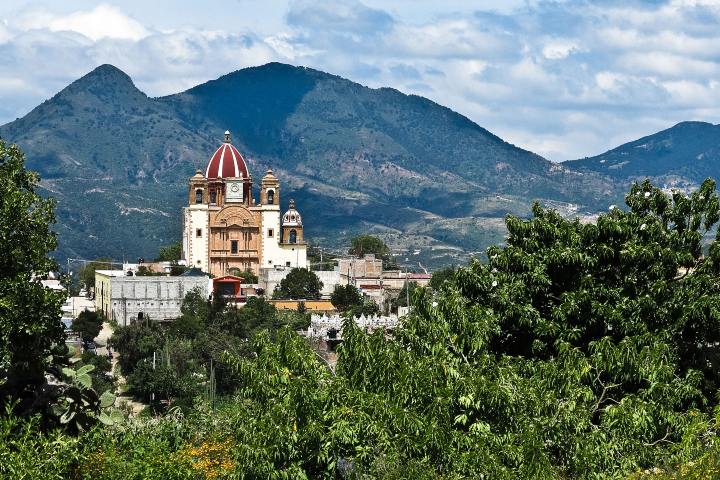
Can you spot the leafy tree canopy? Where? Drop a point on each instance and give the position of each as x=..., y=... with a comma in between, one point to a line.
x=439, y=277
x=170, y=253
x=299, y=284
x=86, y=274
x=370, y=244
x=33, y=354
x=29, y=314
x=87, y=325
x=345, y=297
x=248, y=276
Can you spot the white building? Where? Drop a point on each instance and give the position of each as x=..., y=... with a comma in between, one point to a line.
x=127, y=298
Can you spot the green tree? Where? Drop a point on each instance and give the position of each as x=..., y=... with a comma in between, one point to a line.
x=406, y=293
x=31, y=334
x=248, y=275
x=370, y=244
x=170, y=253
x=365, y=307
x=137, y=342
x=87, y=325
x=299, y=284
x=344, y=297
x=86, y=274
x=439, y=277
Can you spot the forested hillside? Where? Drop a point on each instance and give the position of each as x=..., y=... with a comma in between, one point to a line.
x=356, y=159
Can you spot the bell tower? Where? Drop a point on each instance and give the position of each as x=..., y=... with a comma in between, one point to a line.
x=195, y=223
x=292, y=227
x=270, y=190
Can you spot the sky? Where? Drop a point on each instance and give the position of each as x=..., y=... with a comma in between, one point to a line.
x=564, y=79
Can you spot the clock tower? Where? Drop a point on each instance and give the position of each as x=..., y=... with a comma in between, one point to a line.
x=226, y=232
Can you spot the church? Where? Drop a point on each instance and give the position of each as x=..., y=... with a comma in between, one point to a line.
x=225, y=230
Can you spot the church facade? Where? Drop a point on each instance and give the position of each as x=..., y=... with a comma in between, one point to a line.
x=225, y=230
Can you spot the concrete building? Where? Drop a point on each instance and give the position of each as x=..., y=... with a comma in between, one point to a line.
x=123, y=297
x=225, y=231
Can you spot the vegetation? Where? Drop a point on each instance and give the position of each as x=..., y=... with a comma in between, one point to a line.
x=171, y=365
x=370, y=244
x=299, y=284
x=35, y=378
x=86, y=275
x=345, y=297
x=248, y=275
x=31, y=334
x=577, y=351
x=170, y=253
x=87, y=325
x=441, y=276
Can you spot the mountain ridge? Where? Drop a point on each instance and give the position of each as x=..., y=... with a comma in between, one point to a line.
x=385, y=161
x=682, y=155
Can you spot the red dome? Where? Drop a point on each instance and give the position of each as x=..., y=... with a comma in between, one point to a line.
x=226, y=162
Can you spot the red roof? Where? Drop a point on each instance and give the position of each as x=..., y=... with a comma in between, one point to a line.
x=370, y=287
x=226, y=162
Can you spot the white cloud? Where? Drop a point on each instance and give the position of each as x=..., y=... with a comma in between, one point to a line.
x=104, y=21
x=565, y=79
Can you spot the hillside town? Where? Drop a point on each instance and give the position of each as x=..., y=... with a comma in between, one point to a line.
x=359, y=240
x=236, y=248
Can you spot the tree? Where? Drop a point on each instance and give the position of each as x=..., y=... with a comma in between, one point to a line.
x=439, y=277
x=170, y=253
x=257, y=314
x=366, y=307
x=87, y=273
x=345, y=297
x=137, y=342
x=87, y=325
x=248, y=275
x=299, y=284
x=406, y=293
x=370, y=244
x=144, y=271
x=31, y=333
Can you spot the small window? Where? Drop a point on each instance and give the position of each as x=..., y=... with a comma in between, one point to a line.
x=270, y=232
x=271, y=198
x=233, y=246
x=269, y=262
x=198, y=195
x=198, y=233
x=293, y=236
x=287, y=264
x=213, y=196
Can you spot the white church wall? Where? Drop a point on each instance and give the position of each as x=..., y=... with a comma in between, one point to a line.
x=197, y=253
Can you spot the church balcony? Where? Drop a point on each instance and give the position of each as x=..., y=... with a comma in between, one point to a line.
x=241, y=254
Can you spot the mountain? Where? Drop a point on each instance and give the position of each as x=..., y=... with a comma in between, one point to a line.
x=681, y=156
x=356, y=159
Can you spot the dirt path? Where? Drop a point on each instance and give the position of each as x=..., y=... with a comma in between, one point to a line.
x=123, y=400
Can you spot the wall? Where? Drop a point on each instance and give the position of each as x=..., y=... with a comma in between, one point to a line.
x=158, y=298
x=271, y=253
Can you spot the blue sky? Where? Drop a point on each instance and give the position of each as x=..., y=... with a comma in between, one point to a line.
x=565, y=79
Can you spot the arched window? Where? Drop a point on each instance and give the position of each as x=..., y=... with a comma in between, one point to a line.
x=271, y=197
x=293, y=236
x=213, y=196
x=198, y=195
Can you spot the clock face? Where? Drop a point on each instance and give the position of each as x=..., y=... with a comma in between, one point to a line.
x=235, y=191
